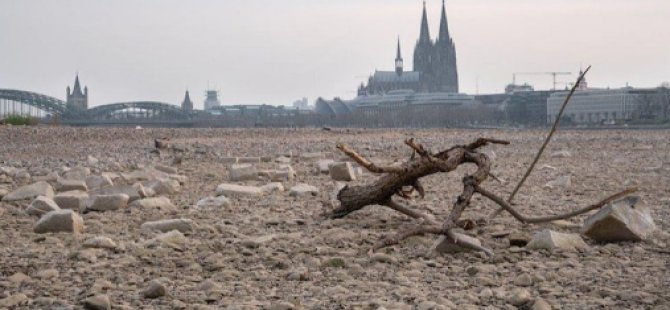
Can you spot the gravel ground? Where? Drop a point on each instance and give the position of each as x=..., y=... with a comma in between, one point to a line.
x=279, y=252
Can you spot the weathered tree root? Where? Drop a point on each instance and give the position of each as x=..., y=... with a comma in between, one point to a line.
x=408, y=174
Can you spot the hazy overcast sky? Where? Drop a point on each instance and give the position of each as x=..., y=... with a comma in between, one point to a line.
x=277, y=51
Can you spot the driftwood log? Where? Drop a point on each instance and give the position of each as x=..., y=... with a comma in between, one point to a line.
x=401, y=180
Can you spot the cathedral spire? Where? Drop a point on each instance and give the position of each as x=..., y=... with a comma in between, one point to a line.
x=444, y=27
x=424, y=37
x=77, y=86
x=398, y=60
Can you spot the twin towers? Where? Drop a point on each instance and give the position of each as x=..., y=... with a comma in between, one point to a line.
x=434, y=67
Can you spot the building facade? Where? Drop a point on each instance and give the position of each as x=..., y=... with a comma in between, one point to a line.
x=594, y=106
x=212, y=99
x=434, y=66
x=76, y=100
x=187, y=104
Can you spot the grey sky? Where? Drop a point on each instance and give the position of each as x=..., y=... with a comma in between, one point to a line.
x=271, y=51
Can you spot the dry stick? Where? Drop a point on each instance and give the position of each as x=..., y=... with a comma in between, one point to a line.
x=370, y=166
x=544, y=145
x=506, y=206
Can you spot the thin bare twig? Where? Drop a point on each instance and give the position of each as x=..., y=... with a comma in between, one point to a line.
x=534, y=220
x=546, y=142
x=370, y=166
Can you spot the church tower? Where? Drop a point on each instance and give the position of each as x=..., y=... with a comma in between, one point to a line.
x=187, y=104
x=423, y=51
x=77, y=100
x=446, y=73
x=398, y=60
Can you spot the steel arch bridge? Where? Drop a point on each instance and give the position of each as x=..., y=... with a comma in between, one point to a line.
x=43, y=102
x=137, y=110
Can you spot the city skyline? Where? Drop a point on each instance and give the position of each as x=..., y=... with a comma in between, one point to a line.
x=273, y=53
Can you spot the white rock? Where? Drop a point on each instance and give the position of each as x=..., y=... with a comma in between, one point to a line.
x=561, y=154
x=3, y=192
x=107, y=202
x=60, y=221
x=283, y=160
x=242, y=172
x=273, y=187
x=92, y=161
x=98, y=181
x=250, y=160
x=30, y=192
x=227, y=189
x=623, y=220
x=100, y=242
x=163, y=187
x=562, y=181
x=42, y=205
x=182, y=225
x=162, y=203
x=78, y=173
x=65, y=185
x=445, y=246
x=549, y=240
x=324, y=165
x=133, y=193
x=214, y=202
x=73, y=200
x=174, y=239
x=166, y=169
x=342, y=171
x=303, y=189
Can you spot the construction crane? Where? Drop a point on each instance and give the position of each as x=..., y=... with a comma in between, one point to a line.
x=553, y=74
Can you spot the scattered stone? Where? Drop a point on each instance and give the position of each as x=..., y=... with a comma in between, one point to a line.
x=97, y=302
x=238, y=190
x=523, y=280
x=519, y=296
x=383, y=258
x=60, y=221
x=214, y=202
x=273, y=187
x=518, y=239
x=98, y=181
x=78, y=173
x=541, y=304
x=18, y=278
x=163, y=186
x=173, y=239
x=13, y=300
x=561, y=154
x=228, y=160
x=622, y=220
x=324, y=165
x=3, y=192
x=100, y=242
x=311, y=156
x=154, y=289
x=444, y=246
x=42, y=205
x=335, y=262
x=299, y=274
x=64, y=185
x=283, y=160
x=242, y=172
x=48, y=274
x=549, y=240
x=182, y=225
x=562, y=181
x=248, y=160
x=30, y=192
x=342, y=171
x=162, y=203
x=107, y=202
x=73, y=200
x=166, y=169
x=303, y=189
x=133, y=193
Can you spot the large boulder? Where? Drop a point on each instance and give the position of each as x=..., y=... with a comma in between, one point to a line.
x=73, y=200
x=65, y=185
x=227, y=189
x=182, y=225
x=550, y=240
x=622, y=220
x=107, y=202
x=30, y=192
x=42, y=205
x=242, y=172
x=342, y=171
x=60, y=221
